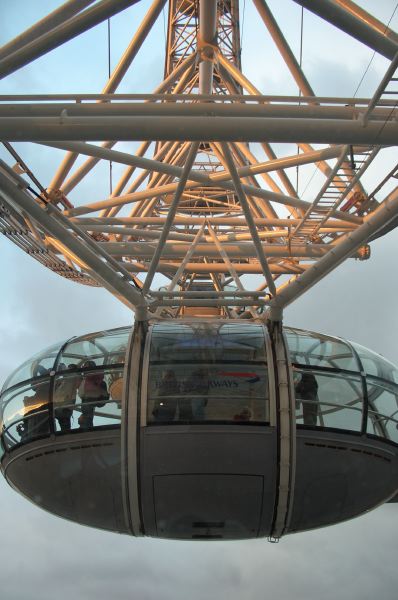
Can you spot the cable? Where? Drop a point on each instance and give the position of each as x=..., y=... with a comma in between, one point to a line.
x=164, y=27
x=109, y=76
x=374, y=53
x=43, y=192
x=300, y=62
x=356, y=91
x=243, y=23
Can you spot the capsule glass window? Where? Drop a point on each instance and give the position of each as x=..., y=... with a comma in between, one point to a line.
x=376, y=365
x=39, y=365
x=103, y=348
x=87, y=400
x=25, y=414
x=330, y=400
x=317, y=350
x=207, y=372
x=210, y=342
x=383, y=409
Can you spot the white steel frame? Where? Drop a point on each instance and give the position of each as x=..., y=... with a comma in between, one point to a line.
x=194, y=203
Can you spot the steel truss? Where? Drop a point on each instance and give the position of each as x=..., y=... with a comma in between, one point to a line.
x=196, y=202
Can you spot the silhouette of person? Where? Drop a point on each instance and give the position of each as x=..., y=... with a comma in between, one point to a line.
x=197, y=385
x=65, y=397
x=307, y=392
x=36, y=417
x=93, y=392
x=166, y=402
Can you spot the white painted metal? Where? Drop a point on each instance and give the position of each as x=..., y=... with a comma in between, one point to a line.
x=236, y=211
x=58, y=16
x=62, y=33
x=286, y=427
x=356, y=25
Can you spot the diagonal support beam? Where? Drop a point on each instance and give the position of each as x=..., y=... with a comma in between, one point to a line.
x=229, y=264
x=170, y=216
x=249, y=217
x=55, y=18
x=63, y=33
x=111, y=86
x=356, y=26
x=184, y=263
x=198, y=178
x=283, y=48
x=70, y=158
x=186, y=259
x=292, y=290
x=57, y=226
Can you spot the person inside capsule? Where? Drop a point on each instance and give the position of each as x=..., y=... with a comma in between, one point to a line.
x=197, y=387
x=166, y=402
x=93, y=393
x=306, y=390
x=65, y=397
x=35, y=420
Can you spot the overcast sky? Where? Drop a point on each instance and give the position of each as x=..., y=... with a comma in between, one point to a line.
x=43, y=557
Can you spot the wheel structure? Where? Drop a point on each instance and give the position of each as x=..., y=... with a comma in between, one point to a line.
x=205, y=215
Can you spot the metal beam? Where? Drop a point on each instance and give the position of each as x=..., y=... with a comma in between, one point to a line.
x=215, y=268
x=206, y=42
x=200, y=129
x=48, y=219
x=138, y=161
x=215, y=294
x=236, y=250
x=87, y=222
x=182, y=266
x=355, y=25
x=70, y=158
x=210, y=302
x=370, y=111
x=63, y=33
x=58, y=16
x=216, y=178
x=187, y=109
x=170, y=216
x=283, y=47
x=189, y=97
x=362, y=14
x=110, y=87
x=383, y=215
x=249, y=218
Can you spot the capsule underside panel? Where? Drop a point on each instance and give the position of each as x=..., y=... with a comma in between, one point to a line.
x=211, y=483
x=339, y=477
x=75, y=478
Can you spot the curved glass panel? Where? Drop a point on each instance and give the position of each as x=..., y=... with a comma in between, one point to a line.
x=25, y=413
x=87, y=400
x=208, y=342
x=328, y=400
x=317, y=350
x=383, y=409
x=102, y=348
x=376, y=365
x=39, y=365
x=207, y=372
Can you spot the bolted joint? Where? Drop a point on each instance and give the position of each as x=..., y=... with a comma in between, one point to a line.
x=141, y=313
x=275, y=313
x=206, y=50
x=363, y=253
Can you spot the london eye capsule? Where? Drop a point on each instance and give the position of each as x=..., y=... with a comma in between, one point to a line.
x=203, y=429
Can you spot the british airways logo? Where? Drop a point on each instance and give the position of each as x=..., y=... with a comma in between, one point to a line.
x=249, y=377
